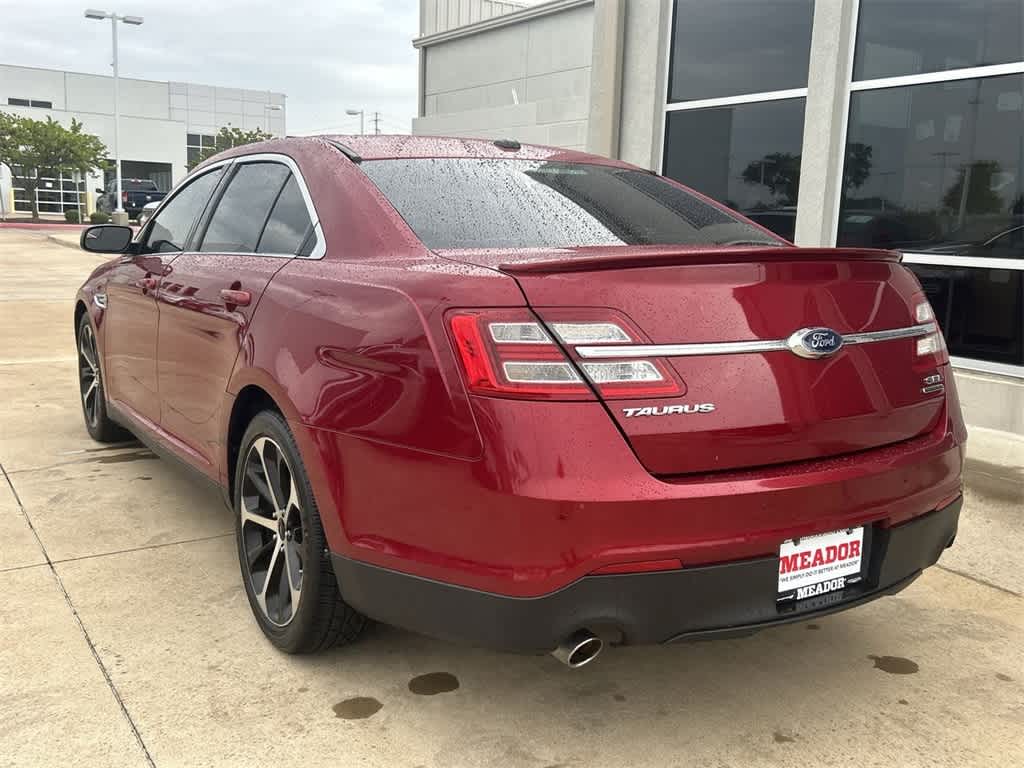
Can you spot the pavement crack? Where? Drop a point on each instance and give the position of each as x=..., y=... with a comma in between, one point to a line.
x=144, y=548
x=978, y=580
x=81, y=626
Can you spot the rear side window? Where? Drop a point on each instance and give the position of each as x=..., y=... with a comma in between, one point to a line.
x=171, y=227
x=243, y=209
x=289, y=223
x=484, y=203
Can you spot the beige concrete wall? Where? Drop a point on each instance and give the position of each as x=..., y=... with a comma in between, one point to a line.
x=529, y=81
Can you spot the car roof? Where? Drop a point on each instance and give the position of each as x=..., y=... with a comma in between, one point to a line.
x=385, y=147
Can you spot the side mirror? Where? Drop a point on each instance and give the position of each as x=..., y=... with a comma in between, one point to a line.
x=100, y=192
x=106, y=238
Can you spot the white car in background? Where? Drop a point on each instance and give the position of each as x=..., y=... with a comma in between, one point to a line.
x=147, y=210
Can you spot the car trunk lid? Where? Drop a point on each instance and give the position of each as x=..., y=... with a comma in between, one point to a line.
x=755, y=403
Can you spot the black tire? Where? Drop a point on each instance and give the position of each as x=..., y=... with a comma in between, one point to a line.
x=288, y=531
x=90, y=387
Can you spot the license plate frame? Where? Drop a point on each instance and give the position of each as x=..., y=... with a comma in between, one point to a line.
x=821, y=564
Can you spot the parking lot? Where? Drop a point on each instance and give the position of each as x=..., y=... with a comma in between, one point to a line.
x=126, y=638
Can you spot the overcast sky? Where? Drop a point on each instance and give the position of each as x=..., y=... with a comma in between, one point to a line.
x=326, y=55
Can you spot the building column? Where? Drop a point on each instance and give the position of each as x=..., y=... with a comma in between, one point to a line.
x=606, y=78
x=824, y=144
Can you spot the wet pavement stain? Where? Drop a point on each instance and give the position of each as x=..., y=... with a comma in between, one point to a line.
x=895, y=665
x=1004, y=678
x=619, y=697
x=140, y=455
x=813, y=626
x=358, y=708
x=144, y=477
x=780, y=738
x=904, y=702
x=433, y=683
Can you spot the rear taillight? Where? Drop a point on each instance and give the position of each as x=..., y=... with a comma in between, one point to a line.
x=124, y=197
x=933, y=345
x=510, y=353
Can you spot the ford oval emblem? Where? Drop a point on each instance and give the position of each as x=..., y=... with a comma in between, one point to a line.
x=814, y=342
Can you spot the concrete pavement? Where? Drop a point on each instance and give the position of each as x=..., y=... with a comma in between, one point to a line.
x=126, y=640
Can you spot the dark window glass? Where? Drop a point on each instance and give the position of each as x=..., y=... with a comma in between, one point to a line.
x=237, y=222
x=937, y=168
x=463, y=203
x=192, y=156
x=981, y=311
x=730, y=47
x=171, y=226
x=19, y=102
x=209, y=141
x=289, y=222
x=42, y=104
x=747, y=157
x=905, y=37
x=192, y=139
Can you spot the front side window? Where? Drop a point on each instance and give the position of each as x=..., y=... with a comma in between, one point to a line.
x=171, y=226
x=242, y=211
x=471, y=203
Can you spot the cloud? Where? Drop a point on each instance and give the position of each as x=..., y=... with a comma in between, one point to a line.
x=325, y=55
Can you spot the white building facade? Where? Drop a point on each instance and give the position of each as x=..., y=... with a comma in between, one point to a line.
x=884, y=123
x=164, y=125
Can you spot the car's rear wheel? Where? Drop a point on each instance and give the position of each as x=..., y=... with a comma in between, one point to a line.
x=282, y=550
x=90, y=383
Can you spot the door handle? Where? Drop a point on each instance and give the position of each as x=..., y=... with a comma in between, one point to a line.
x=147, y=283
x=237, y=298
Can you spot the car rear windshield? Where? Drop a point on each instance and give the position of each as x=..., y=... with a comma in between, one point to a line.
x=138, y=185
x=485, y=203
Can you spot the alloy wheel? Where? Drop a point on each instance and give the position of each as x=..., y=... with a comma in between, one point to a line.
x=272, y=532
x=89, y=375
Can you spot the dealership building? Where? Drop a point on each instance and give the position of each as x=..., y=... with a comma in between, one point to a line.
x=885, y=123
x=164, y=126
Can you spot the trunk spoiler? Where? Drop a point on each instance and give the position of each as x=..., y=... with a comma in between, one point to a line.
x=622, y=258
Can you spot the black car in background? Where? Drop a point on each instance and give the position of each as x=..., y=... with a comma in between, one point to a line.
x=135, y=195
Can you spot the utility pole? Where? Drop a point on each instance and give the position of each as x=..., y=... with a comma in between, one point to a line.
x=376, y=123
x=120, y=217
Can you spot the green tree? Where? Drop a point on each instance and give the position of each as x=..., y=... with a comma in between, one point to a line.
x=779, y=171
x=972, y=192
x=231, y=137
x=33, y=148
x=858, y=165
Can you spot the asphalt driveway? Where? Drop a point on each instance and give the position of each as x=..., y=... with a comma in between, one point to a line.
x=126, y=639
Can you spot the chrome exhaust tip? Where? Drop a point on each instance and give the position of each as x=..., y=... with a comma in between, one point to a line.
x=581, y=647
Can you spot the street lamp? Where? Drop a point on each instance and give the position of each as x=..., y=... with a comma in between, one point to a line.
x=361, y=114
x=92, y=13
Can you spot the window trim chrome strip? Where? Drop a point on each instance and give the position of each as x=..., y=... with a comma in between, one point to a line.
x=609, y=351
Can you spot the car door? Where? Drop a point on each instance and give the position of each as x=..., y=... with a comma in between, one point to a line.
x=258, y=224
x=131, y=320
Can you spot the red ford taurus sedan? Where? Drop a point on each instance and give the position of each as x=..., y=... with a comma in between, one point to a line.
x=522, y=397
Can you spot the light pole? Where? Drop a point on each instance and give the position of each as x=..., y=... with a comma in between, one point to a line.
x=362, y=116
x=120, y=217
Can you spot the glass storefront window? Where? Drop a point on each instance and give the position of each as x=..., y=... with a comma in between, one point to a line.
x=733, y=47
x=745, y=156
x=909, y=37
x=937, y=170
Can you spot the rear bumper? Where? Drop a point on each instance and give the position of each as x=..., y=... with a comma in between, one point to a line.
x=690, y=603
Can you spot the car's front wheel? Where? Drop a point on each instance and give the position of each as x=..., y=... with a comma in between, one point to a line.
x=90, y=383
x=286, y=569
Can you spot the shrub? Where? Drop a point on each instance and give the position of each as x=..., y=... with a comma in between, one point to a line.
x=71, y=216
x=99, y=217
